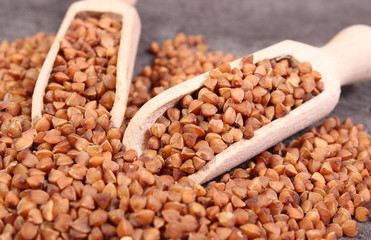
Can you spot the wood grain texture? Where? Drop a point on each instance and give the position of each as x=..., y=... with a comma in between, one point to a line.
x=240, y=27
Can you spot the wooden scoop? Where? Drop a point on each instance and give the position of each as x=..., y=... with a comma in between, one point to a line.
x=344, y=60
x=130, y=33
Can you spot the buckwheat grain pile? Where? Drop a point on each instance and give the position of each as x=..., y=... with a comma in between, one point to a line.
x=68, y=176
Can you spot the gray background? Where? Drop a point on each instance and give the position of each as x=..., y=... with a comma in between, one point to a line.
x=236, y=26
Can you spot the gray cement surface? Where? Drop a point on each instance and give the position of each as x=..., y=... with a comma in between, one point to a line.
x=236, y=26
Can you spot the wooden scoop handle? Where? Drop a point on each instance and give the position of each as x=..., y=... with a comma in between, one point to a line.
x=351, y=49
x=130, y=2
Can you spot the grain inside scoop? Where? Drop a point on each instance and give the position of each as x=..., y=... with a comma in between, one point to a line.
x=124, y=54
x=343, y=60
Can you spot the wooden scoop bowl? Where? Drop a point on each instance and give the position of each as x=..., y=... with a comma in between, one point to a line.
x=126, y=55
x=344, y=60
